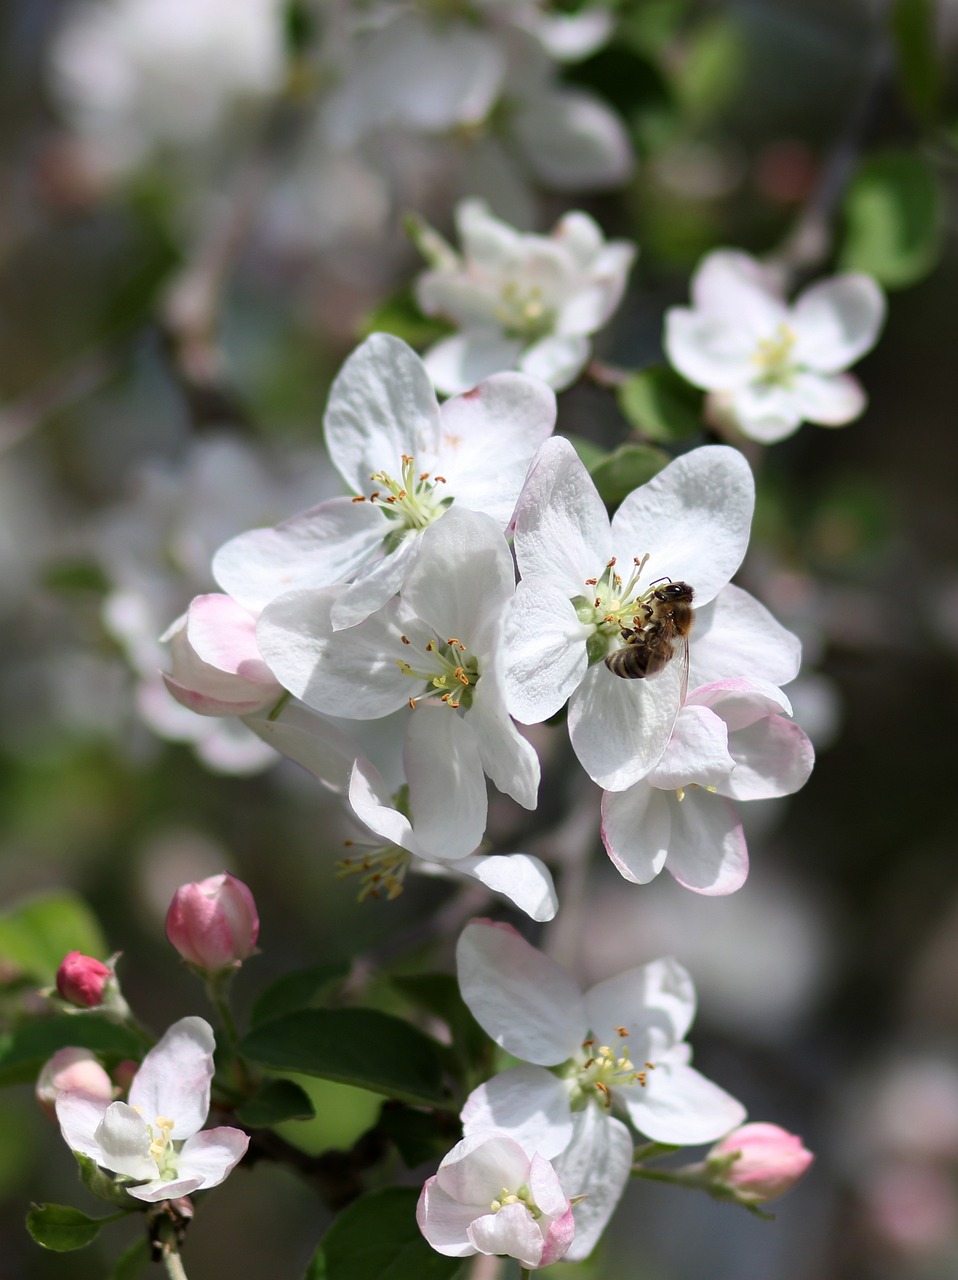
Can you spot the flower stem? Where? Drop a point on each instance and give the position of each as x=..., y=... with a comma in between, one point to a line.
x=217, y=989
x=173, y=1265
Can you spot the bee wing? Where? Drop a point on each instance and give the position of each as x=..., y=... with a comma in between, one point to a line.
x=683, y=657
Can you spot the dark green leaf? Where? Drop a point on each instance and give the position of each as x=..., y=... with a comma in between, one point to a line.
x=361, y=1047
x=102, y=1184
x=24, y=1050
x=661, y=405
x=913, y=25
x=621, y=472
x=36, y=935
x=438, y=993
x=377, y=1238
x=61, y=1227
x=274, y=1102
x=400, y=315
x=418, y=1136
x=296, y=991
x=893, y=220
x=132, y=1261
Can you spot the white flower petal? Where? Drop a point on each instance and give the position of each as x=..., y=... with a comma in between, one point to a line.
x=765, y=412
x=545, y=650
x=310, y=741
x=829, y=400
x=654, y=1002
x=698, y=752
x=375, y=585
x=444, y=1221
x=707, y=851
x=735, y=286
x=572, y=141
x=511, y=1231
x=458, y=362
x=836, y=321
x=123, y=1140
x=524, y=880
x=479, y=1166
x=80, y=1115
x=735, y=637
x=528, y=1103
x=557, y=359
x=637, y=830
x=595, y=1164
x=212, y=1155
x=619, y=728
x=522, y=999
x=509, y=760
x=174, y=1077
x=369, y=802
x=447, y=788
x=680, y=1106
x=710, y=351
x=773, y=757
x=561, y=525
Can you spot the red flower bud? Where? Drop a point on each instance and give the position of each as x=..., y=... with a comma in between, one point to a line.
x=82, y=981
x=213, y=923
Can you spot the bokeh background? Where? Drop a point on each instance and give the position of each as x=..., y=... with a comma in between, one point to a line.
x=171, y=314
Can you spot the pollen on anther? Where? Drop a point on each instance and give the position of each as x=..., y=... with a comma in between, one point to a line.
x=412, y=704
x=440, y=479
x=405, y=639
x=590, y=582
x=621, y=1030
x=361, y=498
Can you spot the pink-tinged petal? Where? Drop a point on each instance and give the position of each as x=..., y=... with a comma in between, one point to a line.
x=444, y=1221
x=545, y=649
x=557, y=359
x=124, y=1139
x=164, y=1189
x=447, y=788
x=572, y=141
x=521, y=998
x=836, y=321
x=562, y=529
x=309, y=741
x=735, y=286
x=206, y=704
x=462, y=578
x=511, y=1231
x=375, y=586
x=382, y=405
x=223, y=634
x=595, y=1164
x=174, y=1078
x=830, y=400
x=212, y=1155
x=740, y=703
x=680, y=1106
x=317, y=548
x=773, y=757
x=735, y=637
x=693, y=519
x=477, y=1168
x=351, y=673
x=698, y=752
x=655, y=1003
x=370, y=803
x=709, y=351
x=80, y=1115
x=637, y=831
x=619, y=728
x=489, y=436
x=528, y=1103
x=457, y=363
x=546, y=1188
x=707, y=852
x=524, y=880
x=508, y=759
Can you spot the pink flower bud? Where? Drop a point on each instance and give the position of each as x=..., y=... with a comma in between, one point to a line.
x=71, y=1068
x=213, y=923
x=769, y=1160
x=82, y=981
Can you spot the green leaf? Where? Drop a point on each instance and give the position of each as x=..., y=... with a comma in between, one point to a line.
x=24, y=1050
x=418, y=1136
x=274, y=1102
x=131, y=1261
x=362, y=1047
x=661, y=405
x=400, y=315
x=102, y=1184
x=913, y=26
x=893, y=219
x=36, y=935
x=590, y=453
x=61, y=1227
x=296, y=991
x=631, y=465
x=377, y=1238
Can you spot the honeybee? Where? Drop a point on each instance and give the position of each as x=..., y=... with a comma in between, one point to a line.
x=650, y=642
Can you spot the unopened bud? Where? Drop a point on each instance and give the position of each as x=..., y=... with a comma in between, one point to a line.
x=213, y=923
x=82, y=980
x=71, y=1068
x=761, y=1161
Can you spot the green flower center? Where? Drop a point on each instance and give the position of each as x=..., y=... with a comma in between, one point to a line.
x=522, y=1196
x=599, y=1069
x=614, y=603
x=412, y=502
x=447, y=666
x=522, y=312
x=774, y=357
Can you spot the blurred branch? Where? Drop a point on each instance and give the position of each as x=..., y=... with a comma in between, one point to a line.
x=78, y=380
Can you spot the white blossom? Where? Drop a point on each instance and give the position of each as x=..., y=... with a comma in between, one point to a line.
x=521, y=301
x=773, y=365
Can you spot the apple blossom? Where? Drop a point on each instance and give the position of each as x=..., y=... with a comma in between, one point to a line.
x=71, y=1068
x=213, y=923
x=690, y=523
x=489, y=1196
x=83, y=980
x=621, y=1043
x=154, y=1142
x=441, y=639
x=759, y=1161
x=521, y=301
x=731, y=741
x=773, y=366
x=407, y=460
x=442, y=825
